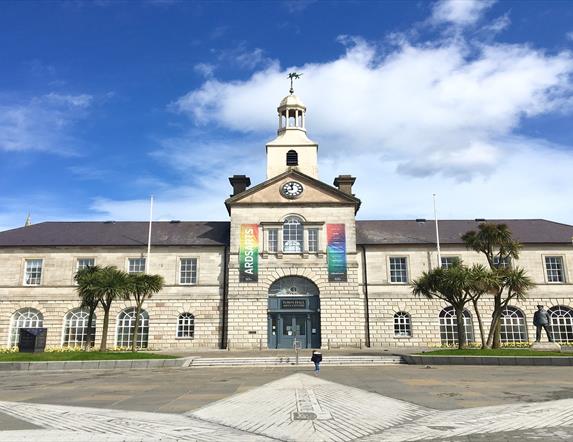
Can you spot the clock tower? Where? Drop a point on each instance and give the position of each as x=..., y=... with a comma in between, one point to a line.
x=292, y=149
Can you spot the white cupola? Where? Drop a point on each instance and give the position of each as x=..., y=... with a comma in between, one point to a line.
x=292, y=149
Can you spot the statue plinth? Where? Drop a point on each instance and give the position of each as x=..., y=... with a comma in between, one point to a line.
x=545, y=346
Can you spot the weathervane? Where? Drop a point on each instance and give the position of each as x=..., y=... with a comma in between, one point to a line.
x=293, y=76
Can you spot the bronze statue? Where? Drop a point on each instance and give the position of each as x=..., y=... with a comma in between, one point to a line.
x=541, y=319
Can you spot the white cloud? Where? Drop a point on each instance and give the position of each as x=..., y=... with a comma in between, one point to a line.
x=42, y=123
x=569, y=35
x=460, y=12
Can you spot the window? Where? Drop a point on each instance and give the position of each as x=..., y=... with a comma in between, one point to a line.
x=33, y=272
x=24, y=318
x=313, y=240
x=85, y=262
x=273, y=240
x=398, y=270
x=186, y=326
x=188, y=271
x=293, y=285
x=561, y=324
x=136, y=265
x=502, y=263
x=513, y=327
x=292, y=235
x=402, y=324
x=554, y=267
x=292, y=158
x=76, y=328
x=126, y=327
x=449, y=261
x=449, y=326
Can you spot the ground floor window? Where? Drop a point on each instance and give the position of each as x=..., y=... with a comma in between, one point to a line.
x=513, y=327
x=402, y=324
x=76, y=328
x=24, y=318
x=449, y=326
x=561, y=323
x=186, y=326
x=126, y=327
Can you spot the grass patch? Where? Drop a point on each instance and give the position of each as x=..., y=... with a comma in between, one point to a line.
x=80, y=356
x=492, y=352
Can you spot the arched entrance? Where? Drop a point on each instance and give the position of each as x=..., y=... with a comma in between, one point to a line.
x=294, y=313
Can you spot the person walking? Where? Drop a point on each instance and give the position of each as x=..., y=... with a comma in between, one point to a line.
x=317, y=359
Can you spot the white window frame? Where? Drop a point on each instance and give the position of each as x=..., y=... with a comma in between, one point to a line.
x=454, y=257
x=563, y=269
x=268, y=231
x=143, y=323
x=402, y=324
x=302, y=236
x=179, y=274
x=389, y=264
x=317, y=230
x=84, y=332
x=37, y=321
x=79, y=258
x=185, y=338
x=127, y=266
x=41, y=279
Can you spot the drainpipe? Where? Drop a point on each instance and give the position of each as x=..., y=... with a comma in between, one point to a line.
x=366, y=302
x=225, y=297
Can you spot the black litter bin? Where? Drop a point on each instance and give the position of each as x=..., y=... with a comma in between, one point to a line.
x=32, y=340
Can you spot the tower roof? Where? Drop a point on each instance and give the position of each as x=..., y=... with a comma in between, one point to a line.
x=291, y=100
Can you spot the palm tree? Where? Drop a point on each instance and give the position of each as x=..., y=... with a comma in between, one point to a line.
x=482, y=281
x=86, y=279
x=451, y=285
x=111, y=284
x=142, y=287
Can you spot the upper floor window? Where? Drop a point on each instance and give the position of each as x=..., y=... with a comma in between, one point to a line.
x=292, y=235
x=85, y=262
x=273, y=240
x=398, y=269
x=136, y=265
x=313, y=240
x=33, y=272
x=188, y=271
x=449, y=261
x=502, y=263
x=554, y=268
x=292, y=158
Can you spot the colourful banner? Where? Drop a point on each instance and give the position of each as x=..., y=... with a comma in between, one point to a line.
x=336, y=252
x=249, y=253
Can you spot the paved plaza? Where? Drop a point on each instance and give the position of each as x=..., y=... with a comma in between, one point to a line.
x=395, y=403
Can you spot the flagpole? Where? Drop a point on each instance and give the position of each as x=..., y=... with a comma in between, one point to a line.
x=437, y=232
x=148, y=260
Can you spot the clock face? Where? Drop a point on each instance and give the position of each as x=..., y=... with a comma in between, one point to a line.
x=292, y=189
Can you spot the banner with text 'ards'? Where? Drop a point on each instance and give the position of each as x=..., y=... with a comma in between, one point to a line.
x=249, y=253
x=336, y=252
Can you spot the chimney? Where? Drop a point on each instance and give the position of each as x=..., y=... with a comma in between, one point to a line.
x=239, y=183
x=344, y=183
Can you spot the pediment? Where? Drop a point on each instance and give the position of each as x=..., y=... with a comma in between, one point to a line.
x=315, y=192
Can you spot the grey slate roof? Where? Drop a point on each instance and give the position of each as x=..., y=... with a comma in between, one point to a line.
x=526, y=231
x=121, y=233
x=216, y=233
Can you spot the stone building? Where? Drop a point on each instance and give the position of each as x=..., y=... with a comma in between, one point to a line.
x=292, y=264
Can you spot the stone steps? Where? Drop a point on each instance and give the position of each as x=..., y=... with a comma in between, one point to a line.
x=291, y=360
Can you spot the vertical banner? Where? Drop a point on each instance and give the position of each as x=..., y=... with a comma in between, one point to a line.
x=336, y=252
x=249, y=253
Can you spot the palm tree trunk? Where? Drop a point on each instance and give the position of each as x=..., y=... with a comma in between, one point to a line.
x=494, y=320
x=89, y=340
x=136, y=329
x=103, y=345
x=461, y=328
x=480, y=323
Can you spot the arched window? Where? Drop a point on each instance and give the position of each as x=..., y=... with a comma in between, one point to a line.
x=76, y=328
x=513, y=328
x=126, y=326
x=292, y=235
x=449, y=326
x=292, y=158
x=293, y=285
x=24, y=318
x=561, y=323
x=186, y=326
x=402, y=324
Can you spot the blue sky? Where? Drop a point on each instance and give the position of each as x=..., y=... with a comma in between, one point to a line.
x=103, y=103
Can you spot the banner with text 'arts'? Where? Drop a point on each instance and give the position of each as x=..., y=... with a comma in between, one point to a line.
x=249, y=253
x=336, y=252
